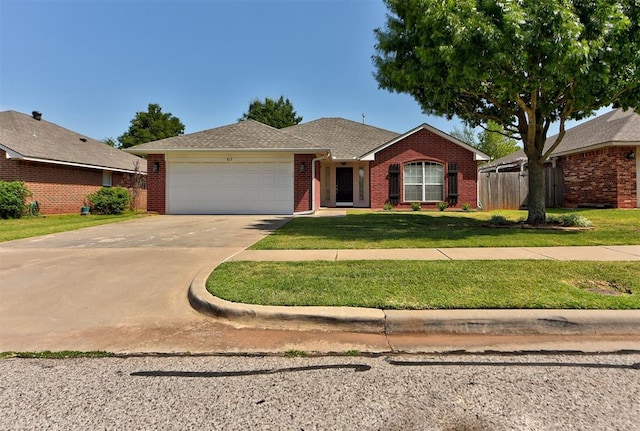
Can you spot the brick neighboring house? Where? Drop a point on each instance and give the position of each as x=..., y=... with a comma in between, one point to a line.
x=60, y=167
x=251, y=168
x=597, y=164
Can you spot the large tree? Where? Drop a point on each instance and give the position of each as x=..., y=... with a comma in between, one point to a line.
x=276, y=113
x=151, y=126
x=524, y=64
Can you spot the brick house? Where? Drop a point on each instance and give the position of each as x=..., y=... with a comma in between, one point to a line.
x=596, y=165
x=60, y=167
x=251, y=168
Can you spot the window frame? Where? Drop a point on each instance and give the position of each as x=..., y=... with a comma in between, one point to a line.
x=423, y=184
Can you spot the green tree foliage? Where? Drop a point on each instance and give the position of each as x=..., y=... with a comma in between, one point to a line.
x=493, y=140
x=111, y=142
x=13, y=195
x=275, y=113
x=151, y=126
x=523, y=64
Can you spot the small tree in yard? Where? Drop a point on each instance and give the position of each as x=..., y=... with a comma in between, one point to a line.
x=134, y=183
x=523, y=64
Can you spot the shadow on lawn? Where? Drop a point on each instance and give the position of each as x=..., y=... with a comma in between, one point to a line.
x=379, y=227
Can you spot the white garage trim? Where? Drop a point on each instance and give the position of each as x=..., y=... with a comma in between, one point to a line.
x=234, y=183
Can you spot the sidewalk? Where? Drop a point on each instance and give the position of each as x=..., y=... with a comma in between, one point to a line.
x=426, y=322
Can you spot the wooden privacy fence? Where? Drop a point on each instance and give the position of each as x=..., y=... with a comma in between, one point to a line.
x=509, y=188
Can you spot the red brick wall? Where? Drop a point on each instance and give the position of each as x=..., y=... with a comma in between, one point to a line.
x=156, y=184
x=59, y=189
x=603, y=176
x=424, y=146
x=302, y=182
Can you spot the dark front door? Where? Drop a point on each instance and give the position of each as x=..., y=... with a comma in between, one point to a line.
x=344, y=185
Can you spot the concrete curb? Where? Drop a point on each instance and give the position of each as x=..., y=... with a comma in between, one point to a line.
x=396, y=322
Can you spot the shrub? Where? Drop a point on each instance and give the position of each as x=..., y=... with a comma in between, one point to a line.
x=498, y=220
x=110, y=200
x=387, y=206
x=466, y=207
x=442, y=205
x=416, y=206
x=569, y=220
x=13, y=195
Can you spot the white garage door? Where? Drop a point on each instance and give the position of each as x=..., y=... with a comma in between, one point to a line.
x=230, y=188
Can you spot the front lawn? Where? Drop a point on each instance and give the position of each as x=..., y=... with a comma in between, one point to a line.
x=28, y=227
x=369, y=229
x=431, y=284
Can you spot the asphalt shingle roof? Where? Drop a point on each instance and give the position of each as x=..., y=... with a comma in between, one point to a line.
x=347, y=139
x=244, y=135
x=614, y=127
x=40, y=139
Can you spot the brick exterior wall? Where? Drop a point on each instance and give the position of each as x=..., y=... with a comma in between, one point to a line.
x=157, y=183
x=603, y=176
x=424, y=145
x=59, y=189
x=302, y=183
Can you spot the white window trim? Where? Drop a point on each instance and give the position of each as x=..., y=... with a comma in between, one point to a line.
x=421, y=184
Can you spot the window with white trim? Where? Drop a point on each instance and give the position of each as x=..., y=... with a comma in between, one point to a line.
x=106, y=178
x=423, y=182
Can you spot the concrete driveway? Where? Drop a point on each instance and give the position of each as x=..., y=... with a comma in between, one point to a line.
x=118, y=287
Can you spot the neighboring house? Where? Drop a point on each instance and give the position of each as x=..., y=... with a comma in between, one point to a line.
x=60, y=167
x=251, y=168
x=596, y=165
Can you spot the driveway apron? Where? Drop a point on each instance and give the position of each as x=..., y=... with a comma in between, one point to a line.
x=114, y=286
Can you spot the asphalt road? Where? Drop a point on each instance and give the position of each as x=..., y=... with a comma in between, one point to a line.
x=404, y=392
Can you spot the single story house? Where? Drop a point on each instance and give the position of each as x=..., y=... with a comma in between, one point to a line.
x=60, y=167
x=597, y=164
x=251, y=168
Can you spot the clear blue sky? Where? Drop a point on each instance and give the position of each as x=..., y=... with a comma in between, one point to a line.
x=91, y=65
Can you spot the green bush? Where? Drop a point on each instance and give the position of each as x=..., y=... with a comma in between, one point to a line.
x=442, y=206
x=13, y=195
x=387, y=206
x=466, y=207
x=569, y=220
x=498, y=220
x=110, y=200
x=416, y=206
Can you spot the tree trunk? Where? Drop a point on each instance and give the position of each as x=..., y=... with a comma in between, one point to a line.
x=536, y=200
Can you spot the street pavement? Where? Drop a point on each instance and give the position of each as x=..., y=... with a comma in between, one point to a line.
x=123, y=288
x=453, y=392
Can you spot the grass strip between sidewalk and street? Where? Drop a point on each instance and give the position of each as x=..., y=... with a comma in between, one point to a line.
x=366, y=229
x=423, y=285
x=28, y=227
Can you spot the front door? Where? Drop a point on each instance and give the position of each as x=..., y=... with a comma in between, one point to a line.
x=344, y=186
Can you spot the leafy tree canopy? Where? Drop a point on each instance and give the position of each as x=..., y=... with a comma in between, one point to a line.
x=110, y=142
x=493, y=140
x=151, y=126
x=276, y=113
x=523, y=64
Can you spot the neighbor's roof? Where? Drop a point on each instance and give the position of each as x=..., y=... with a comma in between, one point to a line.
x=616, y=127
x=347, y=139
x=24, y=137
x=248, y=135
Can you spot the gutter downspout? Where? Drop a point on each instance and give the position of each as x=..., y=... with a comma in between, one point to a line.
x=313, y=189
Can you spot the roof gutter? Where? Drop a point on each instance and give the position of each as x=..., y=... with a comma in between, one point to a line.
x=145, y=151
x=76, y=165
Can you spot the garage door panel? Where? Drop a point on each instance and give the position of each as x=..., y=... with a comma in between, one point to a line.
x=230, y=188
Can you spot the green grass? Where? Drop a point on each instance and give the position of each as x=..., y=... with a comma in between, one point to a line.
x=429, y=284
x=28, y=227
x=64, y=354
x=368, y=229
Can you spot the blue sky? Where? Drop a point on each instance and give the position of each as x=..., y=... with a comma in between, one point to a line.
x=90, y=65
